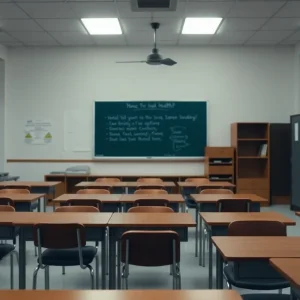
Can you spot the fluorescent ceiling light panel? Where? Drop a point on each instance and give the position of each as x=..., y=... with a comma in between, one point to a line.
x=102, y=26
x=201, y=25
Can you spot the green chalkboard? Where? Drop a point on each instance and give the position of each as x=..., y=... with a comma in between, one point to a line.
x=145, y=129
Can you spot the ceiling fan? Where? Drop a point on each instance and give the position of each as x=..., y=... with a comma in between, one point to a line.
x=154, y=58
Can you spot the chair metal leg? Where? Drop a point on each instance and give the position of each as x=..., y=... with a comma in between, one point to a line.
x=63, y=271
x=17, y=256
x=174, y=277
x=35, y=277
x=178, y=275
x=35, y=252
x=47, y=282
x=11, y=271
x=203, y=247
x=92, y=276
x=97, y=272
x=107, y=250
x=229, y=286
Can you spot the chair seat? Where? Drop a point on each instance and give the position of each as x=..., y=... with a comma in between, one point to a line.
x=190, y=203
x=265, y=297
x=254, y=283
x=68, y=257
x=5, y=249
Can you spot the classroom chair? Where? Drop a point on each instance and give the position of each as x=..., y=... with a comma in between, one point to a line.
x=150, y=249
x=150, y=191
x=90, y=202
x=151, y=202
x=8, y=232
x=82, y=208
x=93, y=191
x=150, y=180
x=15, y=191
x=233, y=205
x=255, y=275
x=65, y=246
x=203, y=234
x=4, y=201
x=108, y=179
x=18, y=187
x=150, y=209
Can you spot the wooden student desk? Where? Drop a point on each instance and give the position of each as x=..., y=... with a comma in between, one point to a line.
x=121, y=222
x=23, y=201
x=217, y=225
x=208, y=203
x=128, y=187
x=38, y=187
x=111, y=201
x=247, y=248
x=95, y=224
x=175, y=200
x=120, y=295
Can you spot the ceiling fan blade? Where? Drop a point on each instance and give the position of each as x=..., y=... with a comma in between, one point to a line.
x=168, y=62
x=131, y=62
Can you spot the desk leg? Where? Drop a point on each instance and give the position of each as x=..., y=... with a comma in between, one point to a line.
x=22, y=259
x=103, y=263
x=210, y=262
x=118, y=265
x=219, y=271
x=201, y=237
x=39, y=205
x=112, y=258
x=197, y=231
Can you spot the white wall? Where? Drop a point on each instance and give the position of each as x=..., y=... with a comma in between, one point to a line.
x=297, y=79
x=2, y=114
x=239, y=83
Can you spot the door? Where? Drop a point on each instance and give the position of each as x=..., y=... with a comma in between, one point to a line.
x=295, y=162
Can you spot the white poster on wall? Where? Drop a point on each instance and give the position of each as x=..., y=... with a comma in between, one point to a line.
x=38, y=132
x=296, y=131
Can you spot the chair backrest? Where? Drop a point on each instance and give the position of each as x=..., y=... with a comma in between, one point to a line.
x=150, y=180
x=150, y=209
x=7, y=208
x=14, y=191
x=90, y=202
x=151, y=202
x=93, y=191
x=150, y=248
x=200, y=180
x=257, y=228
x=108, y=179
x=234, y=205
x=18, y=187
x=150, y=191
x=4, y=201
x=59, y=236
x=77, y=209
x=216, y=191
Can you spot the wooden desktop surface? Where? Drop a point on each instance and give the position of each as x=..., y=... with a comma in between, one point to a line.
x=233, y=248
x=22, y=197
x=298, y=213
x=208, y=198
x=124, y=184
x=31, y=218
x=174, y=198
x=224, y=218
x=120, y=295
x=208, y=184
x=288, y=268
x=30, y=183
x=152, y=219
x=102, y=197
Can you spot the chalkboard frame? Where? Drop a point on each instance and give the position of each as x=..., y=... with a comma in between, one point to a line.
x=146, y=158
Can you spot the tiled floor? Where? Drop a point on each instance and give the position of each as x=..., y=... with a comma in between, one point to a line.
x=193, y=276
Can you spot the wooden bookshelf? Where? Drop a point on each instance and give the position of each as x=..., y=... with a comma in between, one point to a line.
x=219, y=163
x=252, y=167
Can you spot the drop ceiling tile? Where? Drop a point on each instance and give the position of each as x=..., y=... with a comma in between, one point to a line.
x=94, y=9
x=295, y=36
x=231, y=37
x=61, y=25
x=19, y=25
x=4, y=37
x=288, y=42
x=290, y=10
x=282, y=24
x=194, y=39
x=207, y=9
x=110, y=40
x=166, y=24
x=124, y=9
x=11, y=11
x=73, y=38
x=54, y=10
x=255, y=9
x=32, y=37
x=270, y=35
x=236, y=24
x=265, y=42
x=146, y=38
x=43, y=43
x=37, y=1
x=12, y=44
x=179, y=12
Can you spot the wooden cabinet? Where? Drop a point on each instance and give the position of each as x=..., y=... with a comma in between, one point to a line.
x=252, y=162
x=219, y=163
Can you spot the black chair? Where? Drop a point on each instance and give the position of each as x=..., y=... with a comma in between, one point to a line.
x=255, y=274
